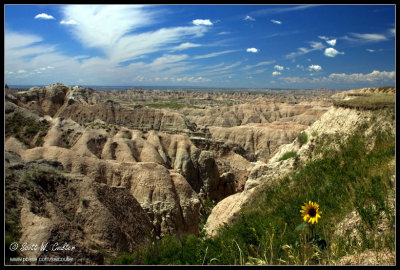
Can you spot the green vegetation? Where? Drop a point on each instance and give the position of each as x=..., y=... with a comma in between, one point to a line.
x=170, y=105
x=302, y=137
x=288, y=155
x=271, y=230
x=369, y=101
x=25, y=129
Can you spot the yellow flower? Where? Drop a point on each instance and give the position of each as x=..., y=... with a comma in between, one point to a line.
x=311, y=212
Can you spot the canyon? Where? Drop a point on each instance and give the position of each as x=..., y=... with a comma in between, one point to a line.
x=110, y=171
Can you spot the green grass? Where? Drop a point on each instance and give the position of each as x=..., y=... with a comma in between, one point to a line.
x=271, y=230
x=369, y=101
x=288, y=155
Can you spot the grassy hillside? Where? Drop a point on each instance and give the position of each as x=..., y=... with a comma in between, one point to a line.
x=368, y=101
x=352, y=185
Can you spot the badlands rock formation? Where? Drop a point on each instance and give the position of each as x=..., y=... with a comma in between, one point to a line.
x=82, y=105
x=116, y=173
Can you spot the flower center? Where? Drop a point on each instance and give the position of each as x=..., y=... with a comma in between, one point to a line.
x=312, y=212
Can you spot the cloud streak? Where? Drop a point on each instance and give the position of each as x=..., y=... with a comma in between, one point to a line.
x=214, y=54
x=249, y=18
x=300, y=51
x=276, y=22
x=264, y=63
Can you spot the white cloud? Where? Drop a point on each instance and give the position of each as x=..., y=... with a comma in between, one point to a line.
x=248, y=18
x=370, y=50
x=276, y=22
x=300, y=51
x=278, y=67
x=331, y=52
x=331, y=42
x=202, y=22
x=103, y=26
x=213, y=54
x=68, y=22
x=275, y=73
x=314, y=67
x=185, y=46
x=252, y=50
x=44, y=16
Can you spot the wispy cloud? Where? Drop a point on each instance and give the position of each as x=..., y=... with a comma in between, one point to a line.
x=370, y=50
x=360, y=39
x=184, y=46
x=264, y=63
x=331, y=52
x=68, y=22
x=370, y=37
x=44, y=16
x=282, y=34
x=300, y=51
x=112, y=28
x=214, y=54
x=202, y=22
x=278, y=10
x=276, y=22
x=252, y=50
x=249, y=18
x=216, y=70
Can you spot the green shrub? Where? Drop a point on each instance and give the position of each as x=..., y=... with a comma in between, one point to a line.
x=302, y=137
x=288, y=155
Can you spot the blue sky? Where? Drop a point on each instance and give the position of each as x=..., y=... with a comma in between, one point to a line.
x=254, y=46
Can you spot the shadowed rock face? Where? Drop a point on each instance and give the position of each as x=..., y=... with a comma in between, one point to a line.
x=64, y=208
